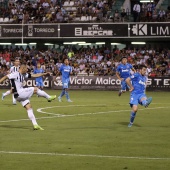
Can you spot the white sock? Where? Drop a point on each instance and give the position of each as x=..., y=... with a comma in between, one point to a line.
x=42, y=94
x=14, y=100
x=7, y=93
x=31, y=116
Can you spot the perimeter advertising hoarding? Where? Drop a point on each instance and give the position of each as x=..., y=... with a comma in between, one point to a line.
x=94, y=30
x=11, y=31
x=150, y=30
x=28, y=83
x=94, y=83
x=109, y=83
x=44, y=30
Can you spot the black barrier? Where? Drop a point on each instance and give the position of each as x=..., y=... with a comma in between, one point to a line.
x=94, y=30
x=86, y=30
x=94, y=83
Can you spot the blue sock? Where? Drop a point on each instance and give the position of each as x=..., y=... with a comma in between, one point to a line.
x=144, y=102
x=62, y=93
x=67, y=95
x=132, y=117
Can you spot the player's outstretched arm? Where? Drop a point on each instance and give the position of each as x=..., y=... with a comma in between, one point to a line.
x=40, y=74
x=128, y=81
x=3, y=78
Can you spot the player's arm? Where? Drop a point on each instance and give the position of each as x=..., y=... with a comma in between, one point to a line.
x=133, y=69
x=3, y=78
x=118, y=76
x=128, y=81
x=39, y=74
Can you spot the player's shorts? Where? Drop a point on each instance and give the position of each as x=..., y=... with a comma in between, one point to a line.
x=24, y=95
x=39, y=83
x=135, y=99
x=65, y=84
x=124, y=86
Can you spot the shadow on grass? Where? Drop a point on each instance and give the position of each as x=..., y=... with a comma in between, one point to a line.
x=15, y=127
x=126, y=124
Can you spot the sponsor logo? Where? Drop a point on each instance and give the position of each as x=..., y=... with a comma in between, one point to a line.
x=139, y=29
x=12, y=30
x=30, y=30
x=94, y=30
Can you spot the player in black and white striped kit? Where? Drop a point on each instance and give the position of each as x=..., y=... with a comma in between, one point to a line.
x=13, y=69
x=23, y=95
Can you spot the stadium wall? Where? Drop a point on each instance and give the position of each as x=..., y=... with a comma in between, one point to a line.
x=94, y=83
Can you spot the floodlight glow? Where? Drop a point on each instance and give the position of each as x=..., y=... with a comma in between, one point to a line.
x=20, y=44
x=115, y=43
x=100, y=42
x=138, y=42
x=85, y=44
x=32, y=43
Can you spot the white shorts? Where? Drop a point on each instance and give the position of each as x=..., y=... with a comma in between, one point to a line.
x=24, y=95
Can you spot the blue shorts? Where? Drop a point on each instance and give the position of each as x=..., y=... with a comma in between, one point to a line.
x=65, y=84
x=124, y=86
x=39, y=83
x=135, y=99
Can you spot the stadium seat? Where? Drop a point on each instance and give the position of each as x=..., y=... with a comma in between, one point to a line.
x=66, y=3
x=71, y=3
x=1, y=20
x=83, y=18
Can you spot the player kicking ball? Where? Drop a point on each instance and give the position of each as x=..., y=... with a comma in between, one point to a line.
x=22, y=94
x=137, y=85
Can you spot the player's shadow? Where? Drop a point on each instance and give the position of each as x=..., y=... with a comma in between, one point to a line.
x=15, y=127
x=126, y=124
x=9, y=105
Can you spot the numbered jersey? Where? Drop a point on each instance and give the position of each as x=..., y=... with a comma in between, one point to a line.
x=14, y=69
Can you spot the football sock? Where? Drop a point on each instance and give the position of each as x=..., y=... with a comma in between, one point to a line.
x=144, y=102
x=7, y=93
x=42, y=94
x=62, y=93
x=132, y=117
x=67, y=95
x=31, y=116
x=14, y=100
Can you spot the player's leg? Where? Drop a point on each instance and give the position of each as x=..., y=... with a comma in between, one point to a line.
x=14, y=100
x=6, y=94
x=42, y=93
x=31, y=116
x=61, y=95
x=67, y=95
x=144, y=101
x=123, y=88
x=134, y=106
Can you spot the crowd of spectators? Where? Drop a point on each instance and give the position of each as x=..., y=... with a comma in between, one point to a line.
x=58, y=11
x=98, y=61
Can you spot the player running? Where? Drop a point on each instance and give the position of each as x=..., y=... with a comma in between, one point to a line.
x=123, y=72
x=22, y=94
x=13, y=69
x=137, y=85
x=65, y=70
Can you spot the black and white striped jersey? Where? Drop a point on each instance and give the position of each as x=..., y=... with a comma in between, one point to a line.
x=17, y=80
x=14, y=69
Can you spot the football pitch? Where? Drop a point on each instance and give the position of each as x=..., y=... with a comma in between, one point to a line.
x=89, y=134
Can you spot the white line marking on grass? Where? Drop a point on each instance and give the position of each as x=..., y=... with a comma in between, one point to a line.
x=83, y=155
x=80, y=114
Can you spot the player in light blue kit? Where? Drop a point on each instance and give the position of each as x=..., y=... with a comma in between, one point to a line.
x=65, y=70
x=137, y=85
x=39, y=80
x=123, y=72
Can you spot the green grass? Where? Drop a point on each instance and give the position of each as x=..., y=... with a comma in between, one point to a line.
x=93, y=134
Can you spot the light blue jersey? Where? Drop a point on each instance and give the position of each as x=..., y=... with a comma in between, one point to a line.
x=39, y=80
x=139, y=84
x=65, y=71
x=124, y=70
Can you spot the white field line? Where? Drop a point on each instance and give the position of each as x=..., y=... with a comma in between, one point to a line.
x=80, y=114
x=83, y=155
